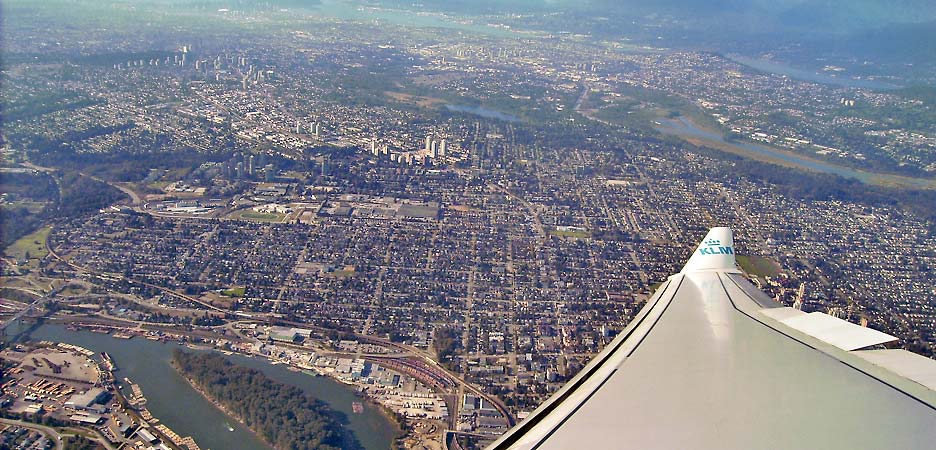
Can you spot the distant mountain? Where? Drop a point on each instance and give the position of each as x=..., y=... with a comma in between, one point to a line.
x=788, y=12
x=854, y=15
x=240, y=5
x=897, y=31
x=839, y=16
x=478, y=6
x=895, y=42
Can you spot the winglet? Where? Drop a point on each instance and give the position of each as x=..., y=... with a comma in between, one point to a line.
x=716, y=252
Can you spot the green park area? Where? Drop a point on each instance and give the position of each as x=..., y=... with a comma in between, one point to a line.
x=345, y=272
x=234, y=292
x=758, y=266
x=578, y=234
x=31, y=247
x=256, y=216
x=641, y=108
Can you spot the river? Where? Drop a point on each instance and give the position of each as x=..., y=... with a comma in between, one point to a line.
x=176, y=404
x=687, y=129
x=807, y=75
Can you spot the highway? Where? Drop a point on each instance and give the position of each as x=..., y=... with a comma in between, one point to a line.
x=19, y=315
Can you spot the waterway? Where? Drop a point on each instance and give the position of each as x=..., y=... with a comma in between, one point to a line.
x=807, y=75
x=181, y=408
x=483, y=112
x=687, y=129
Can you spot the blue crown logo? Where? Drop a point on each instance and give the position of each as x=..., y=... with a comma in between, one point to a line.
x=712, y=242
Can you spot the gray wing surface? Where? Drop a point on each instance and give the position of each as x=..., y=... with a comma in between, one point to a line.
x=711, y=362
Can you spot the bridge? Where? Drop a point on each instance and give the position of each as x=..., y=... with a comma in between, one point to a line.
x=19, y=315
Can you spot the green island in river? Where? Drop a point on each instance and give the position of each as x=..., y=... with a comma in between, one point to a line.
x=281, y=415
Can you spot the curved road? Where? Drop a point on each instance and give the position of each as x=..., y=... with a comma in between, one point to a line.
x=427, y=359
x=48, y=431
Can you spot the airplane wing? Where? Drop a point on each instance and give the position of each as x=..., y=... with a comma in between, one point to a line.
x=712, y=362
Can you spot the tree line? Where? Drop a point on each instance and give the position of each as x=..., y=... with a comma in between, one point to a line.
x=283, y=415
x=77, y=195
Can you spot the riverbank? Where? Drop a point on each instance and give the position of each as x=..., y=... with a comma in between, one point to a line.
x=813, y=76
x=363, y=394
x=220, y=407
x=699, y=135
x=281, y=414
x=171, y=399
x=383, y=410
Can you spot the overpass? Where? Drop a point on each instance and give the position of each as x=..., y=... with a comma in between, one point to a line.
x=19, y=315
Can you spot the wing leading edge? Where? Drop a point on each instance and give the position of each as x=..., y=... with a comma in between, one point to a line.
x=711, y=362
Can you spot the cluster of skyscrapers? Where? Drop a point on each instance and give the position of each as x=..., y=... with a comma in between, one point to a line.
x=241, y=167
x=433, y=152
x=315, y=128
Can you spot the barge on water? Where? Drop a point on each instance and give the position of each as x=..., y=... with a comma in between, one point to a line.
x=108, y=362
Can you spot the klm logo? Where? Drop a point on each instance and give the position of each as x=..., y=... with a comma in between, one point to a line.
x=714, y=247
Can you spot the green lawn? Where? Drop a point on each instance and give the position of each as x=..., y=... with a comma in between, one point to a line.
x=758, y=266
x=33, y=245
x=572, y=234
x=640, y=108
x=341, y=273
x=72, y=290
x=250, y=214
x=234, y=292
